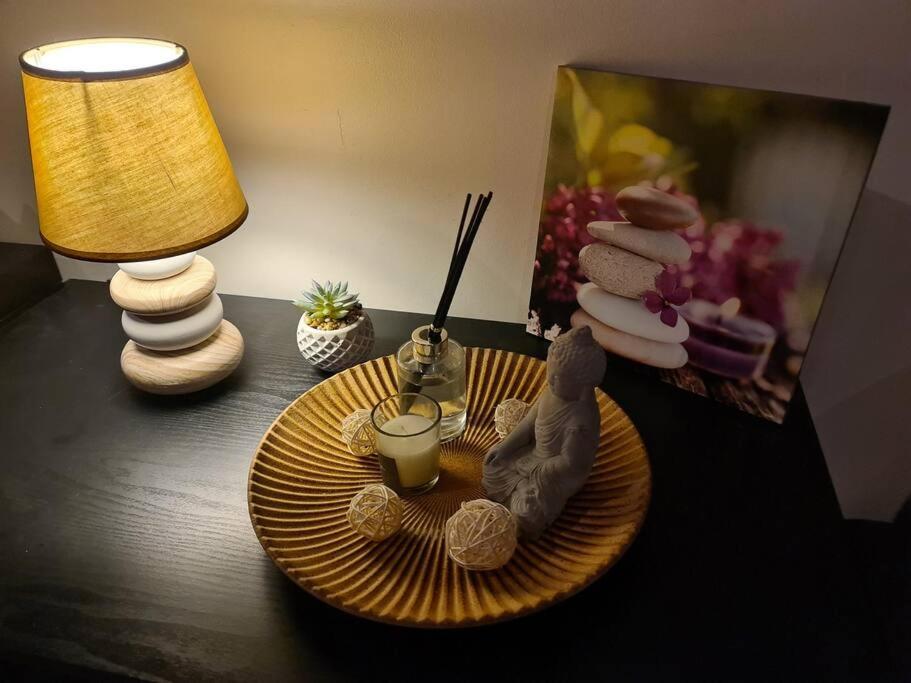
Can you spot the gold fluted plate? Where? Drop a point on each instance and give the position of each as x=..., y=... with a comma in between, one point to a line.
x=303, y=477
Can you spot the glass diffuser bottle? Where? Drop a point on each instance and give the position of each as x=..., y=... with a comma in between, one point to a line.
x=435, y=369
x=430, y=362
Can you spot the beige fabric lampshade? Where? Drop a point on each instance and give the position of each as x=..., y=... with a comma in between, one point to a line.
x=127, y=159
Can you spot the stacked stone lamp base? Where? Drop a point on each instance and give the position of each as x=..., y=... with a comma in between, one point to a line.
x=622, y=266
x=179, y=340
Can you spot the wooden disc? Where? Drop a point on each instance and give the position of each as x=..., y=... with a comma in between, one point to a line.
x=169, y=295
x=303, y=477
x=186, y=370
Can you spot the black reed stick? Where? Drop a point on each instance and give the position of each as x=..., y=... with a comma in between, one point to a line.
x=452, y=275
x=434, y=334
x=463, y=255
x=454, y=264
x=461, y=249
x=455, y=246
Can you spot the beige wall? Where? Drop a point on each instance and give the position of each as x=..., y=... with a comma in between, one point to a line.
x=356, y=127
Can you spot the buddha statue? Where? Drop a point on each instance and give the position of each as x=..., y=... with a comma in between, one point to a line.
x=546, y=459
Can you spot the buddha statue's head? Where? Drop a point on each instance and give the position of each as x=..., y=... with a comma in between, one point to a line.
x=575, y=362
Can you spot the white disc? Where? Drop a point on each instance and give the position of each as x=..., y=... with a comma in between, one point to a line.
x=176, y=330
x=159, y=268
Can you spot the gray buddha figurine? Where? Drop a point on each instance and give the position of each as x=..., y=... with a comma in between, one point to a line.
x=549, y=455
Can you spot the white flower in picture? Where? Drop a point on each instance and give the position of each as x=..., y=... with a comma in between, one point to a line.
x=553, y=332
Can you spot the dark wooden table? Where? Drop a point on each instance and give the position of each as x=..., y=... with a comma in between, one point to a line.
x=127, y=549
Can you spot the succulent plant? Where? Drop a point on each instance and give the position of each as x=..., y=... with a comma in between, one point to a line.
x=329, y=306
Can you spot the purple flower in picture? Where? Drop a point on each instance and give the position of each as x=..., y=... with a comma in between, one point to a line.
x=669, y=294
x=738, y=258
x=561, y=234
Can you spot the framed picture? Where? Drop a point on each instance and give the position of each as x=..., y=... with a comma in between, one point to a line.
x=695, y=227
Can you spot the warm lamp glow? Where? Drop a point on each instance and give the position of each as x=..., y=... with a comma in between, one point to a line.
x=128, y=162
x=101, y=55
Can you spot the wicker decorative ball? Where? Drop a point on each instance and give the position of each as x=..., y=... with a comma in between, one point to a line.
x=358, y=433
x=481, y=535
x=508, y=415
x=375, y=512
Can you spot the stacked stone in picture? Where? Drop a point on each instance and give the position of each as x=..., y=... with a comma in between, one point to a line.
x=625, y=267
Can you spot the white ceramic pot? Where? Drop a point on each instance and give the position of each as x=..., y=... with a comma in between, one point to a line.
x=336, y=349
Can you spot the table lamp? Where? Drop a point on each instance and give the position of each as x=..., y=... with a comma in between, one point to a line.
x=130, y=168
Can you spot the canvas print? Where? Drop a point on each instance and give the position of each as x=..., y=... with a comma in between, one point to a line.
x=695, y=227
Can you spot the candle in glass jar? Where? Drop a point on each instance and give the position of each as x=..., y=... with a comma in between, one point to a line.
x=417, y=459
x=408, y=441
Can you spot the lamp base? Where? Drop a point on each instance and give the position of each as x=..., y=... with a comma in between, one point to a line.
x=180, y=342
x=186, y=370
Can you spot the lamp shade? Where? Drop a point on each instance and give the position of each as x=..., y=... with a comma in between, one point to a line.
x=128, y=162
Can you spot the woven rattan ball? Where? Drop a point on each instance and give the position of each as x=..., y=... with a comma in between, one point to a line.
x=481, y=535
x=358, y=433
x=508, y=415
x=375, y=512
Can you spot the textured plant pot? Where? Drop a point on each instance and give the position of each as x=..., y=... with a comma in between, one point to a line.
x=336, y=349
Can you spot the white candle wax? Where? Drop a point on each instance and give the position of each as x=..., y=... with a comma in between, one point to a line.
x=416, y=452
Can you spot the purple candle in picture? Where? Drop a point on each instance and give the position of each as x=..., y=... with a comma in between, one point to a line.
x=725, y=343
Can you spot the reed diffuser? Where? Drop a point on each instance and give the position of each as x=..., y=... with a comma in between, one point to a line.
x=431, y=362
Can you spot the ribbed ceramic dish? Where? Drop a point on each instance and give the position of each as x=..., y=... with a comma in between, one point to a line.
x=303, y=477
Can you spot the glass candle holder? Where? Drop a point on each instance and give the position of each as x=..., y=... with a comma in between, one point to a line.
x=408, y=441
